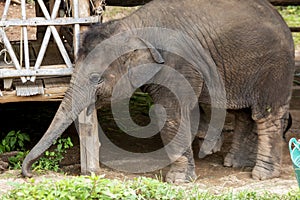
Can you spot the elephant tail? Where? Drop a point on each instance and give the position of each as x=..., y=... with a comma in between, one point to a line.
x=288, y=126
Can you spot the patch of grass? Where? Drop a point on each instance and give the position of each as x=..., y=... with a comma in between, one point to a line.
x=98, y=187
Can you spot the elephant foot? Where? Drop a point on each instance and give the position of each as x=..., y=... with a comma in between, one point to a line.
x=270, y=145
x=242, y=154
x=178, y=177
x=181, y=172
x=237, y=161
x=261, y=173
x=210, y=147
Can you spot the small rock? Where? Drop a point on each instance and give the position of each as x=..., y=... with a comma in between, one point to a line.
x=3, y=166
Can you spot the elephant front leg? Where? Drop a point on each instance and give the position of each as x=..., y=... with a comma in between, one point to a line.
x=178, y=132
x=244, y=144
x=269, y=153
x=182, y=169
x=177, y=140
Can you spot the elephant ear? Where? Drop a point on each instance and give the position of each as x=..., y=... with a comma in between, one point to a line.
x=140, y=74
x=153, y=51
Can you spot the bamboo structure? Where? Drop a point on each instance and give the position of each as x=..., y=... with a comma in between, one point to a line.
x=29, y=72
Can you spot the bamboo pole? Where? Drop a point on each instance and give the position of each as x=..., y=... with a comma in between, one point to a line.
x=76, y=39
x=5, y=11
x=25, y=36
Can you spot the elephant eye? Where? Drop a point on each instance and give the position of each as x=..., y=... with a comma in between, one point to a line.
x=96, y=78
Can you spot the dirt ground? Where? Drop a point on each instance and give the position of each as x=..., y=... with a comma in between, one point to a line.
x=34, y=118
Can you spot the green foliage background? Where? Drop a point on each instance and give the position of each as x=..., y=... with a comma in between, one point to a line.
x=291, y=14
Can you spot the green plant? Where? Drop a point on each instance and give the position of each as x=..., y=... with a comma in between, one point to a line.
x=14, y=141
x=51, y=159
x=15, y=162
x=98, y=187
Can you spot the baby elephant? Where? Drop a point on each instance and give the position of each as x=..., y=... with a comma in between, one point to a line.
x=232, y=54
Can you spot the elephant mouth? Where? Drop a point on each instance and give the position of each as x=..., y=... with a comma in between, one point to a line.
x=101, y=102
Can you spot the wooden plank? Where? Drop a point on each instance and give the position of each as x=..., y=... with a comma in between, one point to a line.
x=51, y=94
x=54, y=90
x=57, y=82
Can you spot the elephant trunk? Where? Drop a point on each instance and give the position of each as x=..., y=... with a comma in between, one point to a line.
x=63, y=118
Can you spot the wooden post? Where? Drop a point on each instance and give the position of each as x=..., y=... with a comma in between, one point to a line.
x=89, y=143
x=88, y=125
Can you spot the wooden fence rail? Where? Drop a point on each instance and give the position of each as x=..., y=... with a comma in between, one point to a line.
x=285, y=2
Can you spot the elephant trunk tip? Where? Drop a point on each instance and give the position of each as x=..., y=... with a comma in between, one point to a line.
x=26, y=172
x=26, y=167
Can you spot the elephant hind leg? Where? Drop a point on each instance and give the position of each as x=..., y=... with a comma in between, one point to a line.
x=243, y=148
x=269, y=152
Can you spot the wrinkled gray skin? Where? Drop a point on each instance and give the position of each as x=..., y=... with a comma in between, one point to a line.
x=249, y=43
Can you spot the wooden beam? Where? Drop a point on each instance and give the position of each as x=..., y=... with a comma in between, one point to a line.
x=89, y=143
x=295, y=29
x=88, y=124
x=56, y=70
x=126, y=3
x=285, y=2
x=41, y=21
x=51, y=94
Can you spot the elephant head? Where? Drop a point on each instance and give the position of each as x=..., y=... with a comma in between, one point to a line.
x=100, y=64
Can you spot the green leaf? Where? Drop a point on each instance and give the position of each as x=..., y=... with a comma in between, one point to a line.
x=21, y=144
x=13, y=142
x=21, y=137
x=26, y=137
x=11, y=133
